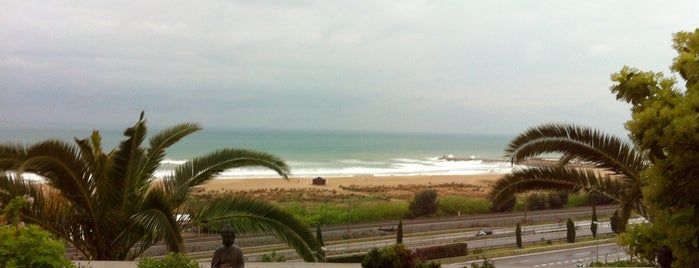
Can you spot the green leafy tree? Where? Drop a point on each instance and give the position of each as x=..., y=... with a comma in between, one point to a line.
x=518, y=235
x=616, y=174
x=593, y=223
x=24, y=245
x=109, y=205
x=399, y=232
x=570, y=231
x=640, y=241
x=664, y=126
x=424, y=203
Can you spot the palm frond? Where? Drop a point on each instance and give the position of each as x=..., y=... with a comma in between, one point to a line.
x=575, y=142
x=160, y=142
x=248, y=215
x=202, y=169
x=153, y=221
x=63, y=168
x=554, y=179
x=128, y=161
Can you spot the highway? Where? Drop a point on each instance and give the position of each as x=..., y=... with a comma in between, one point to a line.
x=501, y=237
x=557, y=258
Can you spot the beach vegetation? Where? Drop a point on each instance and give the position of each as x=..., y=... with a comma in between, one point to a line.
x=453, y=205
x=109, y=205
x=665, y=128
x=424, y=203
x=338, y=212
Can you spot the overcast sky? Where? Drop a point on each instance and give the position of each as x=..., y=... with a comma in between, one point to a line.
x=494, y=67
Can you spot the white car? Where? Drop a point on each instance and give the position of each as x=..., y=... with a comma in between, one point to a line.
x=484, y=232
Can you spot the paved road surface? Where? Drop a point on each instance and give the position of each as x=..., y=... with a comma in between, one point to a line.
x=557, y=258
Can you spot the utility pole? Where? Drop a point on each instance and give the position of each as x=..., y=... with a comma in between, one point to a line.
x=349, y=216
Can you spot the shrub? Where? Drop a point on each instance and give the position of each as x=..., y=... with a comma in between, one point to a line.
x=424, y=203
x=273, y=257
x=487, y=263
x=171, y=260
x=576, y=200
x=508, y=206
x=536, y=201
x=558, y=199
x=29, y=246
x=397, y=256
x=443, y=251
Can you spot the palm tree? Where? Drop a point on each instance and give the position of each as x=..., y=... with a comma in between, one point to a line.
x=109, y=205
x=614, y=172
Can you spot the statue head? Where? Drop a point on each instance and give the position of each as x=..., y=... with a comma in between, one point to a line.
x=228, y=235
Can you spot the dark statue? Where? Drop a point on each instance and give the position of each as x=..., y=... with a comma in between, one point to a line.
x=228, y=255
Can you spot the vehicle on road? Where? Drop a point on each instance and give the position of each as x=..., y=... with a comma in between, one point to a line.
x=484, y=232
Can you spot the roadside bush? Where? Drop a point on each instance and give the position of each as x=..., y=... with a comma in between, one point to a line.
x=346, y=259
x=396, y=256
x=443, y=251
x=171, y=260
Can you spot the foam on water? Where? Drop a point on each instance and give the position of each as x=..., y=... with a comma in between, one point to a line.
x=354, y=167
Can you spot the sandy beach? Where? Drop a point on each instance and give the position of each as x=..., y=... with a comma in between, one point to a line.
x=334, y=183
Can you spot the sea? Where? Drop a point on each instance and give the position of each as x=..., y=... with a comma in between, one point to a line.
x=319, y=153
